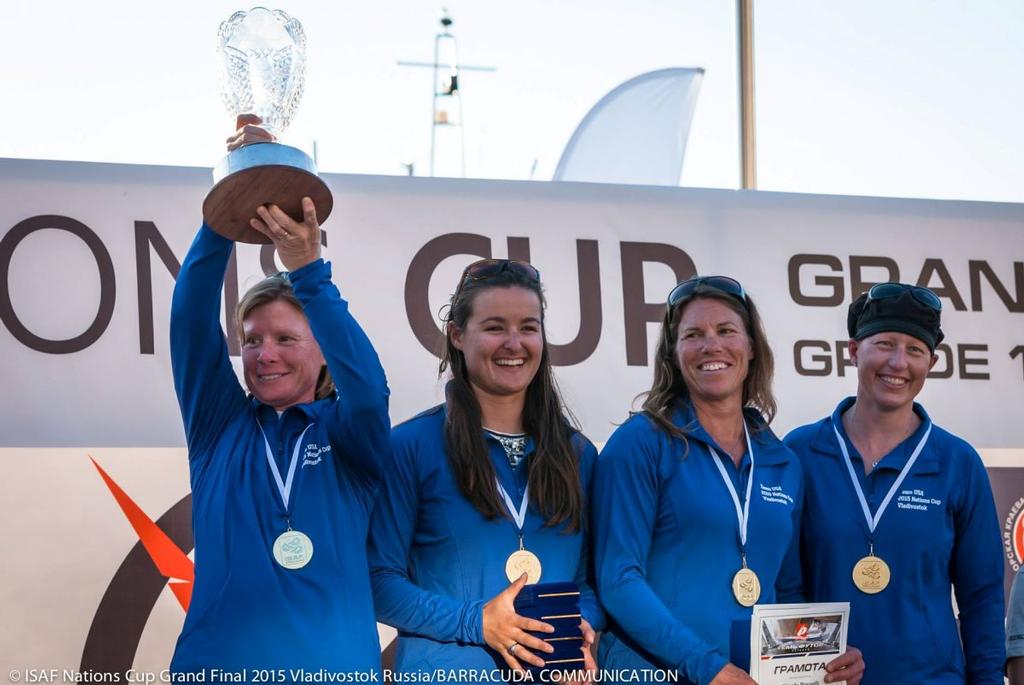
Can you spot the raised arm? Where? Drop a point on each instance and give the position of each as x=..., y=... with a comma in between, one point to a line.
x=208, y=391
x=358, y=425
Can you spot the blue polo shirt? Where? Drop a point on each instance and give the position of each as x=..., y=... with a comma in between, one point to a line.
x=247, y=612
x=435, y=560
x=667, y=541
x=940, y=531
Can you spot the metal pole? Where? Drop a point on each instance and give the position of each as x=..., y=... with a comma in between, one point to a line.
x=748, y=148
x=433, y=108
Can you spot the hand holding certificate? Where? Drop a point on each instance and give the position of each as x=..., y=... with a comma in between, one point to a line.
x=802, y=644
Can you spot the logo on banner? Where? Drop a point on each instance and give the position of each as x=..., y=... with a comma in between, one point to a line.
x=1013, y=535
x=158, y=559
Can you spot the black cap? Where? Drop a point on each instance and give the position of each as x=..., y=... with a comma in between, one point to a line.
x=902, y=313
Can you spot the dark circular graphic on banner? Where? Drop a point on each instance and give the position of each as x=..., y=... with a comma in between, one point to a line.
x=121, y=618
x=129, y=599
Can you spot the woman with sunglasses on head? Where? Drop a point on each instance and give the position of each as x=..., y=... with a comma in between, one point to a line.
x=697, y=501
x=898, y=511
x=277, y=473
x=487, y=484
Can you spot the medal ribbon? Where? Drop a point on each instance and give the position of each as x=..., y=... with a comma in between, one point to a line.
x=873, y=520
x=742, y=513
x=518, y=515
x=284, y=487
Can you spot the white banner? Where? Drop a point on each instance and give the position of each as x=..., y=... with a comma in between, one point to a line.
x=88, y=251
x=87, y=257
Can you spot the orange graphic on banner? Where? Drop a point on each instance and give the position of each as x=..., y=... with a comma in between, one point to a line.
x=168, y=558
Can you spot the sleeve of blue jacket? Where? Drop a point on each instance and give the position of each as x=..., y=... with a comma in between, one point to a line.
x=360, y=426
x=208, y=391
x=977, y=574
x=400, y=602
x=625, y=504
x=1015, y=617
x=590, y=608
x=789, y=586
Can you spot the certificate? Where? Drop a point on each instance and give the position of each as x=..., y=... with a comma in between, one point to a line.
x=791, y=643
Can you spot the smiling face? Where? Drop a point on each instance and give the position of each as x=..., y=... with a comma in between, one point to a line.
x=502, y=341
x=713, y=351
x=281, y=360
x=891, y=368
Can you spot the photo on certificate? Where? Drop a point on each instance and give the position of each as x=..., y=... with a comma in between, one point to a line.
x=792, y=643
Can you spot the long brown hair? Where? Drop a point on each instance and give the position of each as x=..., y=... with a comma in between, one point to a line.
x=271, y=289
x=553, y=473
x=669, y=391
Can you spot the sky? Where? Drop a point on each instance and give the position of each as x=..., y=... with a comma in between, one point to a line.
x=904, y=98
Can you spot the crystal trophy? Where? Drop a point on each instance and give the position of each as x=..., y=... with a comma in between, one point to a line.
x=263, y=61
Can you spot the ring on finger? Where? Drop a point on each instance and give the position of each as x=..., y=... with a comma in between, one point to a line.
x=512, y=648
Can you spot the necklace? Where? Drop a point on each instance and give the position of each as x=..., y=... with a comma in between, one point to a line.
x=513, y=444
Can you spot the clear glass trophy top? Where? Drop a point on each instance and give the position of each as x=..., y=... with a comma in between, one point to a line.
x=263, y=61
x=263, y=64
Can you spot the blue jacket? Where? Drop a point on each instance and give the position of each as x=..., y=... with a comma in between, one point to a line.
x=939, y=530
x=246, y=611
x=1015, y=617
x=667, y=542
x=435, y=560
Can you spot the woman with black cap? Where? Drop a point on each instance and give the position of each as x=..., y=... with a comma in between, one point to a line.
x=897, y=510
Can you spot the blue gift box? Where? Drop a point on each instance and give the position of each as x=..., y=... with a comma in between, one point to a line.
x=558, y=605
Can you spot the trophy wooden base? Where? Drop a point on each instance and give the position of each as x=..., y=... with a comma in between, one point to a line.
x=262, y=174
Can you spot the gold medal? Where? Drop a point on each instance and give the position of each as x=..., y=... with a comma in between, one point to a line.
x=746, y=588
x=871, y=574
x=523, y=561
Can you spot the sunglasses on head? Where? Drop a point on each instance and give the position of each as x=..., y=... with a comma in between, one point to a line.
x=729, y=286
x=884, y=291
x=489, y=268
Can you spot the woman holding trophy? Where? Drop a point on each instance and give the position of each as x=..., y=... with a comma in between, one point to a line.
x=283, y=477
x=486, y=489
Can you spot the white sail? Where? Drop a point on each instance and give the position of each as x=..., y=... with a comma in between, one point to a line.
x=636, y=133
